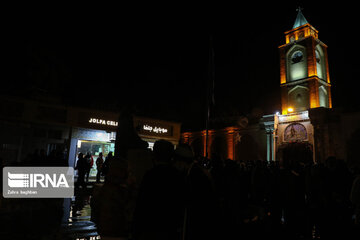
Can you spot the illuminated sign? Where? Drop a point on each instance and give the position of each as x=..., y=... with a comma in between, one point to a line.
x=301, y=116
x=154, y=129
x=103, y=122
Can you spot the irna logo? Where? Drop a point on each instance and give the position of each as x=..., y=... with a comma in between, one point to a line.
x=38, y=182
x=20, y=180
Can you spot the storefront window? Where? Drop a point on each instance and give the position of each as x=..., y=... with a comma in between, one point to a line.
x=95, y=148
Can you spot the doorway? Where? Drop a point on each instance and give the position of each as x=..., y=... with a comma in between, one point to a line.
x=295, y=153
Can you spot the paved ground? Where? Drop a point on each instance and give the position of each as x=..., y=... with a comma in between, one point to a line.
x=79, y=225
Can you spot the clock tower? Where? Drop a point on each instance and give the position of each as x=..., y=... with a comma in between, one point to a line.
x=304, y=70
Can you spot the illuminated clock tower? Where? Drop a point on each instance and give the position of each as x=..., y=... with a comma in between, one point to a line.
x=304, y=70
x=305, y=94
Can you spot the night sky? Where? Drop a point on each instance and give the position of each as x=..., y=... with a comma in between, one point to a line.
x=156, y=58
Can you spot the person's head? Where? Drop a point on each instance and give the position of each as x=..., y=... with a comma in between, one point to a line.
x=81, y=155
x=183, y=157
x=100, y=154
x=163, y=151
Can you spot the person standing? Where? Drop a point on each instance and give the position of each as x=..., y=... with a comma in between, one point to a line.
x=355, y=197
x=99, y=165
x=106, y=164
x=112, y=204
x=89, y=164
x=81, y=168
x=160, y=206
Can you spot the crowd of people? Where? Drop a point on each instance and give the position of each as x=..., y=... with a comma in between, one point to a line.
x=85, y=163
x=187, y=197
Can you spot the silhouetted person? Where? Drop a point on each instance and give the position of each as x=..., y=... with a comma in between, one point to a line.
x=89, y=163
x=233, y=198
x=292, y=192
x=259, y=183
x=202, y=215
x=275, y=199
x=355, y=199
x=338, y=216
x=99, y=165
x=112, y=204
x=316, y=197
x=217, y=174
x=159, y=207
x=81, y=167
x=126, y=136
x=106, y=165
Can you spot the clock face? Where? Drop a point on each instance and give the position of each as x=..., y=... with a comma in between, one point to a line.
x=297, y=57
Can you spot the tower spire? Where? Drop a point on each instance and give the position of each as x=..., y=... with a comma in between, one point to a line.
x=300, y=19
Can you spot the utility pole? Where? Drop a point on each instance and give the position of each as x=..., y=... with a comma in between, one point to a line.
x=210, y=92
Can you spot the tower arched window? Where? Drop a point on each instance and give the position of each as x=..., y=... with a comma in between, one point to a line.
x=297, y=56
x=296, y=63
x=320, y=62
x=317, y=55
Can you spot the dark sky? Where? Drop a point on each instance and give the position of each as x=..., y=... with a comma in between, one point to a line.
x=156, y=57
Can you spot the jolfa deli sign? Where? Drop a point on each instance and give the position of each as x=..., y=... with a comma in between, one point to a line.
x=105, y=122
x=100, y=122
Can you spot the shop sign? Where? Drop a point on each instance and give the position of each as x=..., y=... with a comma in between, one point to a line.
x=154, y=129
x=103, y=122
x=301, y=116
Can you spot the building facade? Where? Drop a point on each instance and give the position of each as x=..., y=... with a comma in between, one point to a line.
x=307, y=118
x=27, y=125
